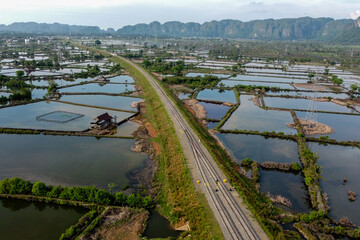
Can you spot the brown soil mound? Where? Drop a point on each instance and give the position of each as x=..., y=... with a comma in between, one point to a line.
x=256, y=101
x=312, y=128
x=120, y=223
x=310, y=86
x=199, y=109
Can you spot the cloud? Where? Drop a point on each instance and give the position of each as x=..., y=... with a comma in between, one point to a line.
x=355, y=15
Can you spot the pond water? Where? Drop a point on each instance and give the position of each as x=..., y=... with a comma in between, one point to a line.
x=5, y=94
x=289, y=185
x=68, y=160
x=217, y=95
x=38, y=93
x=260, y=149
x=304, y=104
x=233, y=83
x=211, y=125
x=127, y=129
x=337, y=163
x=215, y=111
x=84, y=64
x=250, y=117
x=159, y=227
x=21, y=219
x=95, y=87
x=122, y=79
x=24, y=116
x=309, y=94
x=184, y=95
x=287, y=75
x=116, y=102
x=279, y=72
x=59, y=82
x=203, y=74
x=268, y=79
x=346, y=127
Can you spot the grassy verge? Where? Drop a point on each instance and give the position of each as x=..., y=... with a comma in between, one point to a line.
x=176, y=194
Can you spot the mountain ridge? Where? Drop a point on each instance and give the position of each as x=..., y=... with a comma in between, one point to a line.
x=304, y=28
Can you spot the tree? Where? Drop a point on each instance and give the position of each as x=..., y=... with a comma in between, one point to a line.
x=20, y=74
x=39, y=188
x=120, y=198
x=354, y=87
x=326, y=71
x=311, y=75
x=97, y=42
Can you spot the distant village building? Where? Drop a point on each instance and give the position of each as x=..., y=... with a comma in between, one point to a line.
x=103, y=121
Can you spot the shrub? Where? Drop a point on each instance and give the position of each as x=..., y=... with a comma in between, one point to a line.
x=39, y=189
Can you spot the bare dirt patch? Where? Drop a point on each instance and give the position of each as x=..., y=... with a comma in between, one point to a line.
x=310, y=86
x=312, y=128
x=198, y=109
x=120, y=223
x=256, y=101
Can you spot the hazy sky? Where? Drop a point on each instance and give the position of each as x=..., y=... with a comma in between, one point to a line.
x=118, y=13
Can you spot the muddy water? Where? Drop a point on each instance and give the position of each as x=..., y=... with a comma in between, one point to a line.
x=159, y=227
x=68, y=160
x=337, y=163
x=260, y=149
x=250, y=117
x=217, y=95
x=35, y=221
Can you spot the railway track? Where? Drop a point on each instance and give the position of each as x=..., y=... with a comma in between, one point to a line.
x=233, y=222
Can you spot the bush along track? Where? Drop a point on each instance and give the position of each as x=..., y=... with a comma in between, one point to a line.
x=176, y=195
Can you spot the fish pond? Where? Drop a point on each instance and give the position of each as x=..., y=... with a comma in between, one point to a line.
x=250, y=117
x=308, y=94
x=215, y=111
x=269, y=79
x=338, y=163
x=260, y=149
x=96, y=87
x=304, y=104
x=121, y=79
x=346, y=127
x=116, y=102
x=217, y=95
x=233, y=83
x=69, y=160
x=53, y=116
x=22, y=219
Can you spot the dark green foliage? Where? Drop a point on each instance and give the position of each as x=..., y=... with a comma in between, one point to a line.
x=312, y=216
x=3, y=99
x=16, y=84
x=76, y=229
x=296, y=167
x=161, y=66
x=39, y=189
x=15, y=186
x=22, y=94
x=246, y=162
x=115, y=68
x=20, y=74
x=52, y=87
x=88, y=194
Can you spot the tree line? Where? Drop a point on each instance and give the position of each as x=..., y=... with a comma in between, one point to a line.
x=88, y=194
